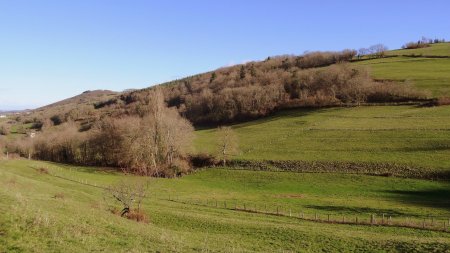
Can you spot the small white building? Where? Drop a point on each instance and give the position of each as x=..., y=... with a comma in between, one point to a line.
x=2, y=116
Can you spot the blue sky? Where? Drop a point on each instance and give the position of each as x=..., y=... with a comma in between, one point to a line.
x=51, y=50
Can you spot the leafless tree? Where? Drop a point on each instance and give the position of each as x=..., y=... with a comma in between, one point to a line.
x=129, y=193
x=227, y=143
x=378, y=50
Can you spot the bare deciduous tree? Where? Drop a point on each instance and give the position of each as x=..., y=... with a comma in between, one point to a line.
x=129, y=193
x=227, y=143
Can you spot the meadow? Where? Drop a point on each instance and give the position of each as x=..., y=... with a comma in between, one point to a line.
x=223, y=209
x=439, y=49
x=418, y=136
x=42, y=213
x=413, y=66
x=431, y=74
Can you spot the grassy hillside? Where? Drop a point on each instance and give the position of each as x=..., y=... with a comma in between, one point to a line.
x=42, y=213
x=400, y=134
x=439, y=49
x=431, y=74
x=426, y=73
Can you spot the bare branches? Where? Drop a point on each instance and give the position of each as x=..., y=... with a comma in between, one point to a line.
x=227, y=143
x=129, y=193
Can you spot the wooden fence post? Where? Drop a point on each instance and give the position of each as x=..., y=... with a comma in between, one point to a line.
x=328, y=218
x=382, y=220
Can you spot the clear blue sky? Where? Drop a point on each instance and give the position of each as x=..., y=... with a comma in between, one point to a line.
x=51, y=50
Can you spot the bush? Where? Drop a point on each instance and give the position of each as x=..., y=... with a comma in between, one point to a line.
x=415, y=45
x=4, y=130
x=138, y=216
x=42, y=170
x=56, y=120
x=203, y=160
x=439, y=101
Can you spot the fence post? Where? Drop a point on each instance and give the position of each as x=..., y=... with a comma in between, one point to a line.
x=328, y=218
x=343, y=219
x=390, y=220
x=315, y=216
x=356, y=219
x=382, y=220
x=423, y=223
x=244, y=207
x=225, y=204
x=290, y=214
x=372, y=219
x=277, y=210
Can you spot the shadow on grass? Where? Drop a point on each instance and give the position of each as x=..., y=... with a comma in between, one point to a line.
x=436, y=145
x=436, y=198
x=358, y=210
x=282, y=114
x=89, y=169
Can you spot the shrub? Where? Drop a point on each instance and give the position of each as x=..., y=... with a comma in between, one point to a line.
x=43, y=170
x=203, y=160
x=56, y=120
x=415, y=45
x=138, y=215
x=4, y=130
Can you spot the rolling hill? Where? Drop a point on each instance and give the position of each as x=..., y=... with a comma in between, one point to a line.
x=271, y=205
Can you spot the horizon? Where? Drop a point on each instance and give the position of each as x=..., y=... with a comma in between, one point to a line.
x=53, y=50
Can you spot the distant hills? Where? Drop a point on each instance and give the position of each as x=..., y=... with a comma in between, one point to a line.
x=256, y=89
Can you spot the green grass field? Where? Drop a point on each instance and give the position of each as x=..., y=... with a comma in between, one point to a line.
x=439, y=49
x=56, y=213
x=34, y=220
x=396, y=134
x=431, y=74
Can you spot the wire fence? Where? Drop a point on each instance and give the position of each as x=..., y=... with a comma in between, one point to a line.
x=429, y=223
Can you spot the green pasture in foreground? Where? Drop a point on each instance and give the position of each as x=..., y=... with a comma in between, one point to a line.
x=400, y=134
x=33, y=219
